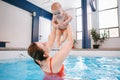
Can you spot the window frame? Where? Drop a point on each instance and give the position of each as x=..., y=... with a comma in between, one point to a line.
x=110, y=27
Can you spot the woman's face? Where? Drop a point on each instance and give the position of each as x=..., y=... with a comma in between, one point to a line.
x=42, y=45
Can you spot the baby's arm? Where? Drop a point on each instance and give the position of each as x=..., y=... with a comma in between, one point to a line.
x=54, y=23
x=68, y=19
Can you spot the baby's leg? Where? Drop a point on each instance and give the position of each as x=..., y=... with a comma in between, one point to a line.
x=65, y=34
x=58, y=36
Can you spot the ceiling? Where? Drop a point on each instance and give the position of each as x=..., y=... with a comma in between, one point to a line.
x=46, y=4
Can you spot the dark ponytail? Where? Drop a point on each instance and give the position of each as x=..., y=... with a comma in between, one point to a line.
x=36, y=52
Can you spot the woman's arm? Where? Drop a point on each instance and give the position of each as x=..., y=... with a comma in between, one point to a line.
x=51, y=38
x=60, y=56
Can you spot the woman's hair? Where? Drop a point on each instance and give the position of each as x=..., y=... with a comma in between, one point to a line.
x=55, y=6
x=36, y=52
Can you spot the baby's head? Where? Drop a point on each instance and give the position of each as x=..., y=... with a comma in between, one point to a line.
x=56, y=9
x=55, y=6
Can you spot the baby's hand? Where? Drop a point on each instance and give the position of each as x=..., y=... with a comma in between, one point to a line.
x=57, y=25
x=64, y=23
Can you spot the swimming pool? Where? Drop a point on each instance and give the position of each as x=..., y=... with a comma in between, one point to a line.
x=76, y=68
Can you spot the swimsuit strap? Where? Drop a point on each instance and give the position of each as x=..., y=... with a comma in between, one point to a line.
x=51, y=65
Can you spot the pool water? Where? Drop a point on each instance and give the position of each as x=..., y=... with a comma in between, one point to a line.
x=76, y=68
x=92, y=68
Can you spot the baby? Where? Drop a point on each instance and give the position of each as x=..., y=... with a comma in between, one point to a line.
x=60, y=21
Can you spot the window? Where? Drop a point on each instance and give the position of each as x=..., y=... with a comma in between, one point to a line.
x=113, y=32
x=79, y=23
x=89, y=18
x=108, y=17
x=107, y=4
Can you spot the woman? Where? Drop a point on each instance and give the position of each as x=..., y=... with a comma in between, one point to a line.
x=40, y=53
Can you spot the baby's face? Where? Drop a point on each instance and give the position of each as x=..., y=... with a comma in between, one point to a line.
x=58, y=12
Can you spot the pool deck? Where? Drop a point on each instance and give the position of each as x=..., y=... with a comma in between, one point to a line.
x=100, y=49
x=12, y=49
x=56, y=49
x=13, y=53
